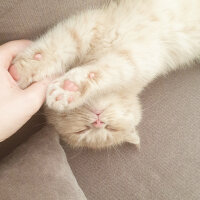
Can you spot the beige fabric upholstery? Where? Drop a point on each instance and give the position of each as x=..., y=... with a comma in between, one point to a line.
x=29, y=19
x=38, y=170
x=167, y=166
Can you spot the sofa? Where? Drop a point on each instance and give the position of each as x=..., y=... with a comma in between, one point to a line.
x=36, y=165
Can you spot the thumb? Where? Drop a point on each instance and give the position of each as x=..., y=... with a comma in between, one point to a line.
x=20, y=109
x=35, y=95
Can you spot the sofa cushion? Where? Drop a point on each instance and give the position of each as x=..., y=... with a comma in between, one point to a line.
x=38, y=170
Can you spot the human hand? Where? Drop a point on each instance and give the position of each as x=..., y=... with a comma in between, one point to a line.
x=16, y=105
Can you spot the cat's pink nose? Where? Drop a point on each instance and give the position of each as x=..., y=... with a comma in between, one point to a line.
x=97, y=112
x=98, y=124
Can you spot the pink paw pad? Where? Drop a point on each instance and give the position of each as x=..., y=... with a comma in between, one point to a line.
x=13, y=72
x=59, y=97
x=38, y=56
x=70, y=86
x=91, y=75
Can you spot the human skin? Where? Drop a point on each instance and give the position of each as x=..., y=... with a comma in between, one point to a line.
x=16, y=105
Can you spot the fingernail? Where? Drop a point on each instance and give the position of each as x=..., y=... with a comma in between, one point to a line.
x=13, y=72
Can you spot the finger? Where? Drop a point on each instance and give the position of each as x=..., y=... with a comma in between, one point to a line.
x=10, y=49
x=13, y=72
x=22, y=108
x=35, y=95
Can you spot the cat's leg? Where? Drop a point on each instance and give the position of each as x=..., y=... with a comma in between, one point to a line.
x=56, y=51
x=110, y=73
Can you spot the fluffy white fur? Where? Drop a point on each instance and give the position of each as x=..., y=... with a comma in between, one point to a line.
x=110, y=54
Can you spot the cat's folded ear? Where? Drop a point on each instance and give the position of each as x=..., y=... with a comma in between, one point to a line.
x=133, y=138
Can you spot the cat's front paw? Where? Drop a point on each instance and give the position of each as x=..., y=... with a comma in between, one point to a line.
x=25, y=68
x=69, y=91
x=35, y=64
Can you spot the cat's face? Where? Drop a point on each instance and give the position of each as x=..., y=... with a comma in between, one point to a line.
x=104, y=121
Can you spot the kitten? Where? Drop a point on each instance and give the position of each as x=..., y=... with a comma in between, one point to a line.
x=105, y=58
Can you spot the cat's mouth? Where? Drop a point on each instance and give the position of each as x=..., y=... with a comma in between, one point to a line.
x=98, y=123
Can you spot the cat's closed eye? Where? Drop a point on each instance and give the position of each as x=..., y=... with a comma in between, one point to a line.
x=82, y=130
x=111, y=128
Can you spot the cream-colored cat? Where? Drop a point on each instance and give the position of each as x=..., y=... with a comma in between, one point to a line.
x=105, y=58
